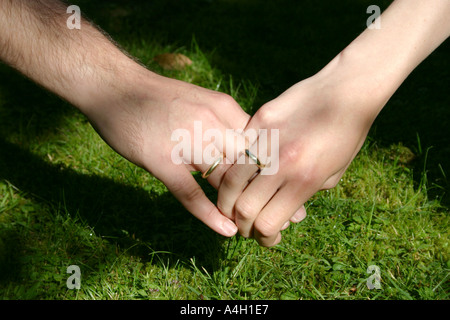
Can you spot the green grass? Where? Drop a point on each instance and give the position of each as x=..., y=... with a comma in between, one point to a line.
x=67, y=199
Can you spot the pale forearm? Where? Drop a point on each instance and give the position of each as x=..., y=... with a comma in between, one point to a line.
x=323, y=121
x=410, y=30
x=80, y=65
x=376, y=63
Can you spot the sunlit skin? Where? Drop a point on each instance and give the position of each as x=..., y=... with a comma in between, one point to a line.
x=133, y=109
x=323, y=120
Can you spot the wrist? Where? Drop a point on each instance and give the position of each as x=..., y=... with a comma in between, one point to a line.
x=125, y=83
x=377, y=62
x=354, y=82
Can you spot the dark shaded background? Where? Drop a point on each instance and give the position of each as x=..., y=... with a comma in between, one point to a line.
x=278, y=43
x=272, y=43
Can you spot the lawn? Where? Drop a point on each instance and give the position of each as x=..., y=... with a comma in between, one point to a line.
x=67, y=199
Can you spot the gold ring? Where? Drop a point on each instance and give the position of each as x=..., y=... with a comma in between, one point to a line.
x=254, y=158
x=207, y=173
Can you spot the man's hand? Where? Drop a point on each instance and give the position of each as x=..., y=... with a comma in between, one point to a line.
x=133, y=109
x=140, y=124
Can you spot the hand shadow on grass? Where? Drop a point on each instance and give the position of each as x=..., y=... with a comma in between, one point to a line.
x=110, y=207
x=120, y=213
x=253, y=41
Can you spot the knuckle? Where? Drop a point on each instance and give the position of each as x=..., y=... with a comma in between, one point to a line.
x=209, y=214
x=222, y=100
x=265, y=243
x=265, y=114
x=176, y=186
x=244, y=210
x=266, y=228
x=231, y=179
x=291, y=154
x=190, y=194
x=225, y=100
x=225, y=208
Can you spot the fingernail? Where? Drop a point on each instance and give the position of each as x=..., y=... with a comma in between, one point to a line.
x=298, y=216
x=229, y=228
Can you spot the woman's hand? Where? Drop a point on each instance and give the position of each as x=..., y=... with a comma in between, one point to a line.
x=323, y=121
x=133, y=109
x=321, y=126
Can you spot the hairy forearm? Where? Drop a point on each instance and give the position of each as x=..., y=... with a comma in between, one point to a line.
x=80, y=65
x=376, y=63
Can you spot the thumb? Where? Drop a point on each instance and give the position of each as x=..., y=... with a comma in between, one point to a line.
x=184, y=187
